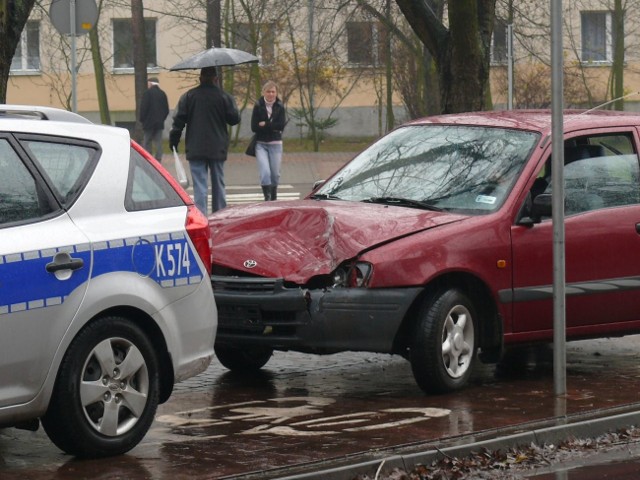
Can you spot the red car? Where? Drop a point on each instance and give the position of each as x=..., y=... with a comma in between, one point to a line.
x=435, y=243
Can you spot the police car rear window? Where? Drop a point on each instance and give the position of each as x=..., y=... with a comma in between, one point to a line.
x=146, y=188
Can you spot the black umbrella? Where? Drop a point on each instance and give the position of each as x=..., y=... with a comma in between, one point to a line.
x=215, y=57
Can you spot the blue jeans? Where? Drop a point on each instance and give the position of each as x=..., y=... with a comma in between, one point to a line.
x=152, y=143
x=199, y=169
x=269, y=158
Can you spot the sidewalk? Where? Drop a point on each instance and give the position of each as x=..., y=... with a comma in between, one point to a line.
x=297, y=168
x=302, y=169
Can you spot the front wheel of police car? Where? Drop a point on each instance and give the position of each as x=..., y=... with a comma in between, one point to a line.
x=107, y=390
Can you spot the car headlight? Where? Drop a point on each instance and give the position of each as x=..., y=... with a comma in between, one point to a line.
x=352, y=274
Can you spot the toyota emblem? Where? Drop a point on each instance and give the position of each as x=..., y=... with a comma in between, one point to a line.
x=250, y=264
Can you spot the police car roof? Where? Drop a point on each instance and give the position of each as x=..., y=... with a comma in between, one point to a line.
x=40, y=113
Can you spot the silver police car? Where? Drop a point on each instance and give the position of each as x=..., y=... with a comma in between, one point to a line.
x=105, y=296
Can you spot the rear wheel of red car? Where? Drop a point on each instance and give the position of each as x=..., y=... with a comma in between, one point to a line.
x=106, y=393
x=243, y=359
x=444, y=347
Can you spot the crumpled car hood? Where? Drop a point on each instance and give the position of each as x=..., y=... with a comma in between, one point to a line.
x=297, y=240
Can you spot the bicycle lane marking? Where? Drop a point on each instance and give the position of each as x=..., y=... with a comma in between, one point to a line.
x=289, y=416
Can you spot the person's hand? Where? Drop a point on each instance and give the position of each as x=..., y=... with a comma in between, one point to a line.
x=174, y=140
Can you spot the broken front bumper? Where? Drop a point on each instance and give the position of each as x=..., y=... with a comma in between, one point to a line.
x=262, y=311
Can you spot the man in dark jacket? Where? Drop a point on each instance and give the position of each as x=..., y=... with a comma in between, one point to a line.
x=154, y=109
x=206, y=110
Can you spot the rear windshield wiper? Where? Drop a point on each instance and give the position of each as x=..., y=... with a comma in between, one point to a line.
x=403, y=202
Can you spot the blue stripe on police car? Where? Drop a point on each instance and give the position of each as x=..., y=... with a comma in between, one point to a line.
x=167, y=259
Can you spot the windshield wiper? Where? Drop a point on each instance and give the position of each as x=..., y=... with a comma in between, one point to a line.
x=324, y=196
x=404, y=202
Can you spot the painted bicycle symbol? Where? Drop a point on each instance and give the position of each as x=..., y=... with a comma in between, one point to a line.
x=294, y=416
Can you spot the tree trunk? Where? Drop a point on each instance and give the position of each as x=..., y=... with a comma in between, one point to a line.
x=617, y=69
x=98, y=67
x=214, y=24
x=391, y=119
x=139, y=60
x=13, y=17
x=462, y=73
x=461, y=52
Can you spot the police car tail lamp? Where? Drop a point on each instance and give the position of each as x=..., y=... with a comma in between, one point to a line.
x=197, y=227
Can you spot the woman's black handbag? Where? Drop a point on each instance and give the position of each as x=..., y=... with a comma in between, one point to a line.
x=251, y=149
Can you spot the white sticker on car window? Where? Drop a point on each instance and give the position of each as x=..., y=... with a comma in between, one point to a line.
x=486, y=199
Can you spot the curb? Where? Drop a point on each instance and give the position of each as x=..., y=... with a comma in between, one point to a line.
x=538, y=436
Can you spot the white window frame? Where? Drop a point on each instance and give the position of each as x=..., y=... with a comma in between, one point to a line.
x=374, y=45
x=608, y=38
x=152, y=63
x=495, y=42
x=266, y=47
x=24, y=51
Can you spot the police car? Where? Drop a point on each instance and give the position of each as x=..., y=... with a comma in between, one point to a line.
x=105, y=296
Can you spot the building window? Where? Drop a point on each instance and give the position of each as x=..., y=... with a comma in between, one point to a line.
x=27, y=55
x=263, y=46
x=365, y=43
x=499, y=42
x=596, y=36
x=123, y=43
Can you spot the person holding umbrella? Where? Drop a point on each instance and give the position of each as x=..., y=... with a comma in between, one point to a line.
x=205, y=110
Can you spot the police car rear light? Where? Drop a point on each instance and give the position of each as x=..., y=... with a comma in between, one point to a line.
x=197, y=227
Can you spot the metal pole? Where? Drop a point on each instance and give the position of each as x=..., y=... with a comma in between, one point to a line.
x=557, y=175
x=510, y=65
x=74, y=100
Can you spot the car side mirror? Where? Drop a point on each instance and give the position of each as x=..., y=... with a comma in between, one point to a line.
x=541, y=206
x=532, y=212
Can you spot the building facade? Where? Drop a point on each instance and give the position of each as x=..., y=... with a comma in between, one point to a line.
x=329, y=61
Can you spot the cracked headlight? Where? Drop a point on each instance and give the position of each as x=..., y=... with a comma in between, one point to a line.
x=352, y=274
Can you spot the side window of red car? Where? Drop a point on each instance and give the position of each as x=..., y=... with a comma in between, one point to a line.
x=600, y=172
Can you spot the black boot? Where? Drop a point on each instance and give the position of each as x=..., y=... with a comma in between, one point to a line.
x=266, y=189
x=274, y=192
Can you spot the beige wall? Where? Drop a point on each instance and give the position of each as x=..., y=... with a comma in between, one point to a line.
x=177, y=40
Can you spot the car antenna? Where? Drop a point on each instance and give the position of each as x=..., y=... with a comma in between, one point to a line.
x=546, y=140
x=610, y=101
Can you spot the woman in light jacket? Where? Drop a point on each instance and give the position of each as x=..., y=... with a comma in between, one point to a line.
x=267, y=122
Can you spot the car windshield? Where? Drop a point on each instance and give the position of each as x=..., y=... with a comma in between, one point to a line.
x=439, y=167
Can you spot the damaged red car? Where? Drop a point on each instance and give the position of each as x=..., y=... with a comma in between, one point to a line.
x=435, y=243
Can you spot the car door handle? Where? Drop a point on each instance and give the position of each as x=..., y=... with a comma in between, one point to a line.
x=67, y=263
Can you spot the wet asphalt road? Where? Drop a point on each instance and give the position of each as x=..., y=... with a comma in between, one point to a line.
x=306, y=410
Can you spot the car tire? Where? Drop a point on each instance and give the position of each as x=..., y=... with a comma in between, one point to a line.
x=110, y=368
x=249, y=359
x=443, y=352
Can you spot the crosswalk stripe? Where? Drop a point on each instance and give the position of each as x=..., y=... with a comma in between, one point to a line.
x=241, y=198
x=258, y=197
x=253, y=187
